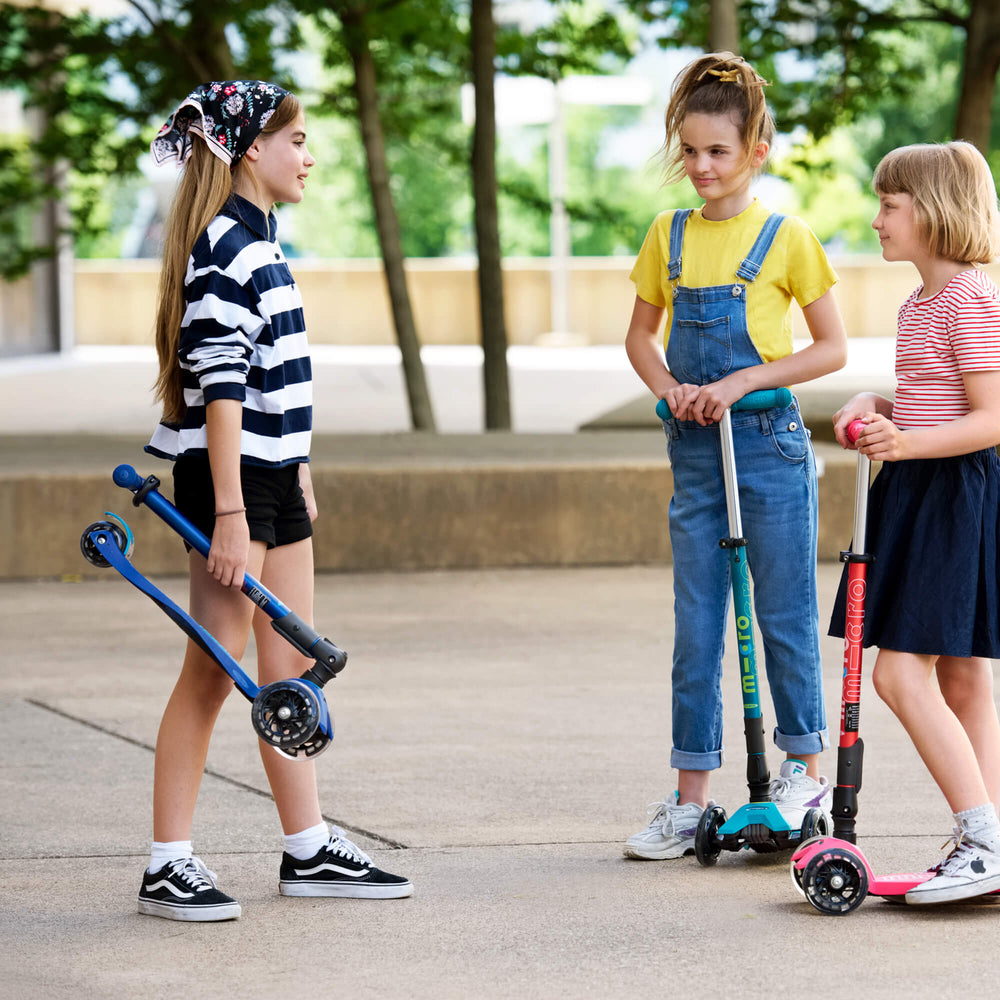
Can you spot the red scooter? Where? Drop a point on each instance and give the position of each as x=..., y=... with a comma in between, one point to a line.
x=831, y=872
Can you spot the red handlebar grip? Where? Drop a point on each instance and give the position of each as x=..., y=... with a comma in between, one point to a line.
x=854, y=429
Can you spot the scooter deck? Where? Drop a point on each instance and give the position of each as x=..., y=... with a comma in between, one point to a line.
x=765, y=814
x=896, y=886
x=891, y=887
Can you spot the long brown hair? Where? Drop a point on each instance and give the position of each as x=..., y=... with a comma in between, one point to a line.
x=718, y=83
x=204, y=188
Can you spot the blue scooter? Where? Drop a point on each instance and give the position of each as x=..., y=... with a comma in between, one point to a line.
x=290, y=715
x=758, y=825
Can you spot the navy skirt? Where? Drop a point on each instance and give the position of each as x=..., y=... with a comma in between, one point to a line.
x=933, y=530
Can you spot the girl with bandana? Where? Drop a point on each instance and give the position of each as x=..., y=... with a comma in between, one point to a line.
x=235, y=386
x=721, y=278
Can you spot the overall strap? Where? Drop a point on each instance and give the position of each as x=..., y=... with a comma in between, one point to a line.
x=754, y=260
x=677, y=224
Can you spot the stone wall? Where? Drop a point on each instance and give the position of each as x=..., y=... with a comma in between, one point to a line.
x=346, y=300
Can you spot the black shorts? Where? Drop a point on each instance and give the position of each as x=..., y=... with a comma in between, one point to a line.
x=276, y=509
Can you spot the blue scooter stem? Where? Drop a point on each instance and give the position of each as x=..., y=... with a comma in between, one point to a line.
x=329, y=659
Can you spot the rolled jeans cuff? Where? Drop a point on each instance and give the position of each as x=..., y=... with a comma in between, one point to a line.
x=684, y=761
x=806, y=744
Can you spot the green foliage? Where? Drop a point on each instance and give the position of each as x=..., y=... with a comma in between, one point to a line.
x=582, y=38
x=848, y=71
x=830, y=188
x=93, y=86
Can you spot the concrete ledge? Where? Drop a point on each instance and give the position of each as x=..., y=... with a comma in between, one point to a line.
x=398, y=502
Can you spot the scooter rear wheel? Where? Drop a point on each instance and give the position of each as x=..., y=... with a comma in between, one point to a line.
x=90, y=551
x=706, y=840
x=286, y=715
x=306, y=751
x=835, y=881
x=815, y=824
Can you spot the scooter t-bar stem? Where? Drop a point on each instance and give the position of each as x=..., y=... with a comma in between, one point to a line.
x=329, y=659
x=758, y=775
x=851, y=749
x=854, y=429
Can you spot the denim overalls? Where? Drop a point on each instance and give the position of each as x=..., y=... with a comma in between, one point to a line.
x=776, y=472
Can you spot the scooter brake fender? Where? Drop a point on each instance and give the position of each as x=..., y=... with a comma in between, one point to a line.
x=819, y=845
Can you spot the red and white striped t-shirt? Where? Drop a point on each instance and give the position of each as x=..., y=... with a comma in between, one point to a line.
x=955, y=331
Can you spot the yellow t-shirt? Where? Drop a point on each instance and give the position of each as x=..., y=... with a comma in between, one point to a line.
x=794, y=268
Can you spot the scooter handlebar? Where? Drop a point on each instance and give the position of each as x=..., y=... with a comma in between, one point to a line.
x=127, y=477
x=854, y=429
x=762, y=399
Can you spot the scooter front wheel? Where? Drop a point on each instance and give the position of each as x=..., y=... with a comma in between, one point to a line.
x=835, y=881
x=706, y=840
x=802, y=851
x=286, y=715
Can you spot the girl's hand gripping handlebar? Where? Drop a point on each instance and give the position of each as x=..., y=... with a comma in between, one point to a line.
x=762, y=399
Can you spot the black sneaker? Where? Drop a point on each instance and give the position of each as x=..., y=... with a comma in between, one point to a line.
x=339, y=869
x=185, y=890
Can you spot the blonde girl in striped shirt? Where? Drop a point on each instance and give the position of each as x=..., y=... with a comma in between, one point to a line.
x=934, y=513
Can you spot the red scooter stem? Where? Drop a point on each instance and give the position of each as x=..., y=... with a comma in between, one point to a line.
x=850, y=754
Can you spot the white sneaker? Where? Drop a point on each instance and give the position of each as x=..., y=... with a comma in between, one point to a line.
x=795, y=793
x=969, y=870
x=670, y=833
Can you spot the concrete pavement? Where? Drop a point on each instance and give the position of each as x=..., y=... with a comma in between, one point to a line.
x=499, y=733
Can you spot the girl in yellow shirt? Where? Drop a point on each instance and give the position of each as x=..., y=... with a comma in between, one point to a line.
x=724, y=277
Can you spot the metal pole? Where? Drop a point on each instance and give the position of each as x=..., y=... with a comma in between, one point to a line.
x=729, y=475
x=559, y=240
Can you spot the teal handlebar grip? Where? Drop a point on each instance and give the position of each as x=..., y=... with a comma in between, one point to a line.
x=762, y=399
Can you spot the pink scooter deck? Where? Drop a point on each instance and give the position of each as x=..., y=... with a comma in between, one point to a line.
x=892, y=887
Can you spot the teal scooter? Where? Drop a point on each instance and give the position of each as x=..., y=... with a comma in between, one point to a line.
x=758, y=825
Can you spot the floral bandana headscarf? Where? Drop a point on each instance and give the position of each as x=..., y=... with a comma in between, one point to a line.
x=228, y=115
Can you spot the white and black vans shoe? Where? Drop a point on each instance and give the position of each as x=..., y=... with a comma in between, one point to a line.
x=340, y=868
x=185, y=890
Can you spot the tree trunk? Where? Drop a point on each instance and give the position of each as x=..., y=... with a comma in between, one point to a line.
x=979, y=72
x=723, y=26
x=484, y=187
x=207, y=50
x=387, y=224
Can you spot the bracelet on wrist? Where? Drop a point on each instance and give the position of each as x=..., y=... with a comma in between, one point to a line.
x=226, y=513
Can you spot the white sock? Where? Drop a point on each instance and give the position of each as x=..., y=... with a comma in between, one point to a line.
x=982, y=825
x=168, y=850
x=306, y=843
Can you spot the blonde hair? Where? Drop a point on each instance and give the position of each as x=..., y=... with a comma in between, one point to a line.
x=205, y=187
x=954, y=198
x=718, y=83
